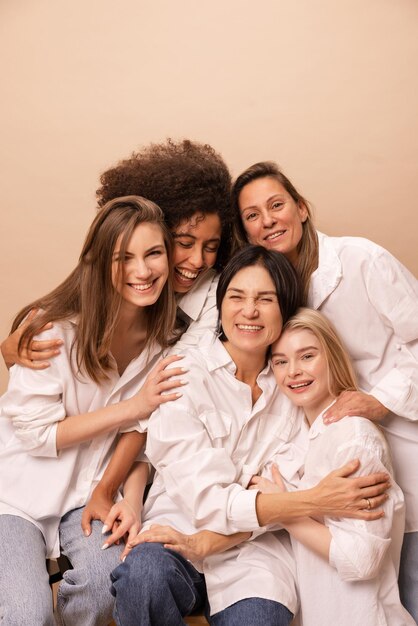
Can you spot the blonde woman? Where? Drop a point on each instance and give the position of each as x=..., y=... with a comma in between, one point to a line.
x=347, y=569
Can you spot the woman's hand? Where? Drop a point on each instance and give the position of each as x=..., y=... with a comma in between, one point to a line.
x=157, y=384
x=268, y=486
x=340, y=496
x=36, y=354
x=97, y=507
x=191, y=547
x=123, y=521
x=355, y=403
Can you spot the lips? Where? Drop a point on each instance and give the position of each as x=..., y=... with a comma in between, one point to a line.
x=275, y=235
x=249, y=327
x=186, y=274
x=140, y=287
x=300, y=386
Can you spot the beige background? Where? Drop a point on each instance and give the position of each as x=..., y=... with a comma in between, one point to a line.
x=326, y=88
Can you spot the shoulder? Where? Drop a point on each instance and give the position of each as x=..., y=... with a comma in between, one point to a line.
x=354, y=246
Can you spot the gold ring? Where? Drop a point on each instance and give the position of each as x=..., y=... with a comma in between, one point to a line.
x=369, y=504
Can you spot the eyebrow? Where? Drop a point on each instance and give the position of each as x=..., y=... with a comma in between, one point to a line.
x=128, y=253
x=297, y=351
x=177, y=235
x=259, y=293
x=255, y=206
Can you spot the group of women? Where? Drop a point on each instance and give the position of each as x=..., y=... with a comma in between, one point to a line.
x=274, y=493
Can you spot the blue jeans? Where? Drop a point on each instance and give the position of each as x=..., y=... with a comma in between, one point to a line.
x=25, y=596
x=158, y=587
x=84, y=596
x=408, y=574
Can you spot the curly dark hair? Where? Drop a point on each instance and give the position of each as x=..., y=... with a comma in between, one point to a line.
x=182, y=177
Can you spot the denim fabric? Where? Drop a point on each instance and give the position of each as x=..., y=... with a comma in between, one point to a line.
x=84, y=597
x=25, y=595
x=408, y=574
x=156, y=587
x=253, y=612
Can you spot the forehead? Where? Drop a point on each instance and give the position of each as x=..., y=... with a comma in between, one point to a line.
x=252, y=279
x=200, y=225
x=259, y=190
x=144, y=236
x=296, y=339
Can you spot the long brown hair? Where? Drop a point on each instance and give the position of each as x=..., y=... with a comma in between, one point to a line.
x=308, y=246
x=88, y=292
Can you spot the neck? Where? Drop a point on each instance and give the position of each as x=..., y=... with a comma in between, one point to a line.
x=314, y=411
x=248, y=365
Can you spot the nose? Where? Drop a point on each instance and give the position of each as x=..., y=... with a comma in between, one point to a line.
x=268, y=219
x=142, y=271
x=294, y=369
x=249, y=308
x=196, y=257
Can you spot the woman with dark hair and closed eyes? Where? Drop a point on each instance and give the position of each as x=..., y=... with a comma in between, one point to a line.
x=113, y=314
x=229, y=422
x=373, y=302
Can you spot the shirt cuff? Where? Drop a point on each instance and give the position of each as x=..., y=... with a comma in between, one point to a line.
x=243, y=515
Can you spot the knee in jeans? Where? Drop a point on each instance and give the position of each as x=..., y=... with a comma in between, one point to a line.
x=29, y=611
x=148, y=565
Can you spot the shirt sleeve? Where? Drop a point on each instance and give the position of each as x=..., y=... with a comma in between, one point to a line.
x=199, y=476
x=33, y=402
x=393, y=292
x=358, y=547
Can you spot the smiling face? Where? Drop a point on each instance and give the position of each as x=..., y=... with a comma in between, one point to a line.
x=301, y=370
x=196, y=243
x=250, y=312
x=140, y=276
x=271, y=217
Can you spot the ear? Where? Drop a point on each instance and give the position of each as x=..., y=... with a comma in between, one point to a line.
x=303, y=211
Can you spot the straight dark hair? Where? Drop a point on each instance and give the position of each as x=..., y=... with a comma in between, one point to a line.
x=284, y=276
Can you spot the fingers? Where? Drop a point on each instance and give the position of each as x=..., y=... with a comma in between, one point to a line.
x=161, y=365
x=86, y=518
x=347, y=469
x=277, y=477
x=118, y=531
x=33, y=365
x=44, y=349
x=375, y=490
x=373, y=480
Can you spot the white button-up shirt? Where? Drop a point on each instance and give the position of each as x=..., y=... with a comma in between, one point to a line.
x=198, y=309
x=359, y=584
x=37, y=482
x=205, y=447
x=373, y=302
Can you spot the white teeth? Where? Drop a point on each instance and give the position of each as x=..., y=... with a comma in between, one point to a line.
x=299, y=385
x=186, y=273
x=141, y=287
x=248, y=327
x=275, y=235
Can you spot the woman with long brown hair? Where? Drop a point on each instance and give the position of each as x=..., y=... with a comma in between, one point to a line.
x=113, y=314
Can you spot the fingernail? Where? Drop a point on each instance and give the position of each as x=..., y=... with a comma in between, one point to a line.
x=184, y=370
x=87, y=533
x=124, y=559
x=57, y=351
x=178, y=395
x=105, y=546
x=183, y=382
x=105, y=529
x=60, y=342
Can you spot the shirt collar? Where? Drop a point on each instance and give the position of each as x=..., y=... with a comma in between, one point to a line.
x=192, y=302
x=318, y=427
x=326, y=277
x=218, y=356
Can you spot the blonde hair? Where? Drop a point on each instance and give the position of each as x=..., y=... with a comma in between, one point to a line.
x=88, y=292
x=341, y=376
x=308, y=253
